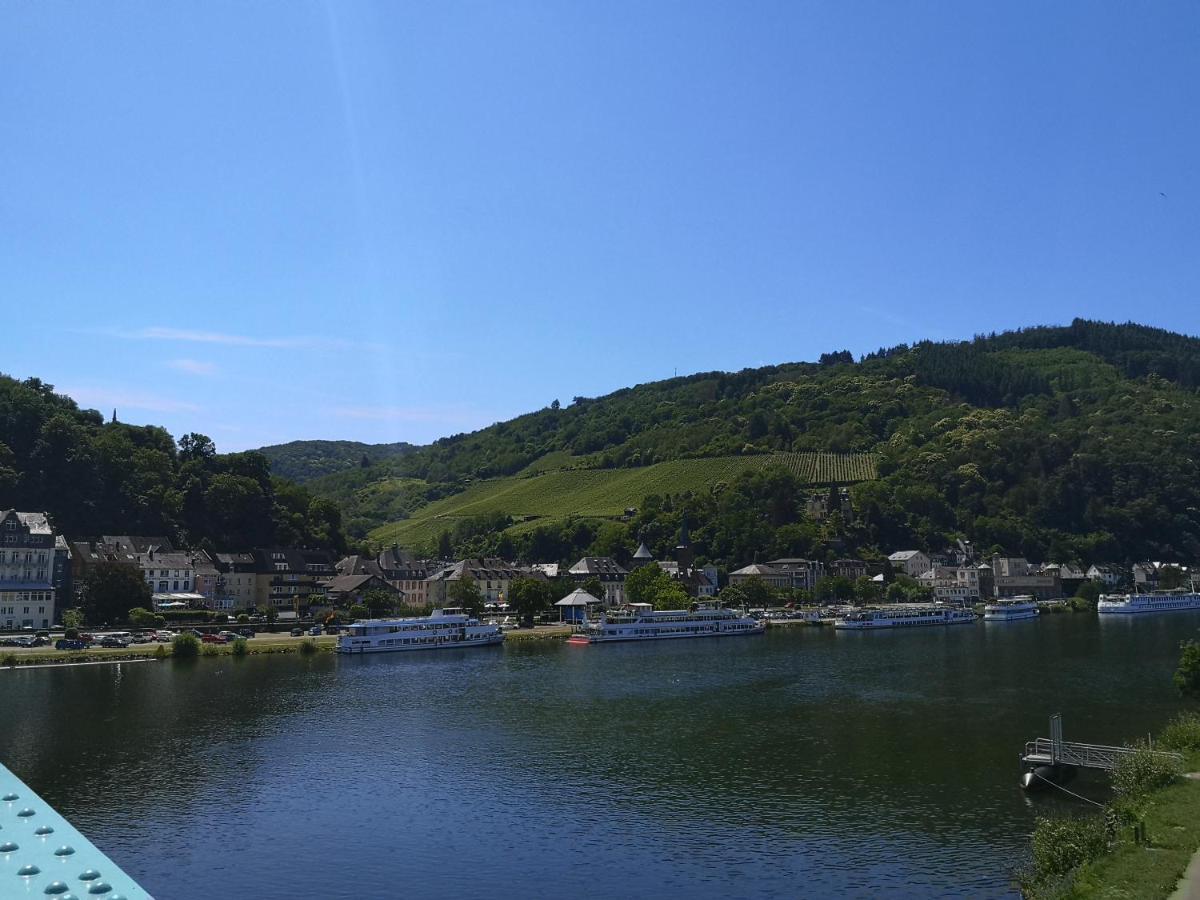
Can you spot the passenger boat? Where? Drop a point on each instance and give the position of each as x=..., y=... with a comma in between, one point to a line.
x=1158, y=601
x=446, y=629
x=641, y=623
x=1010, y=609
x=905, y=617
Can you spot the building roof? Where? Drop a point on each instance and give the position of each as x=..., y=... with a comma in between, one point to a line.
x=348, y=584
x=577, y=597
x=36, y=522
x=902, y=555
x=757, y=569
x=597, y=565
x=643, y=552
x=358, y=565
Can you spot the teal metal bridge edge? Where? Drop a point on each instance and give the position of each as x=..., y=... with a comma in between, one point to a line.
x=43, y=855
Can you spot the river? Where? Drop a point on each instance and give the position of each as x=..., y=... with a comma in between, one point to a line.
x=804, y=762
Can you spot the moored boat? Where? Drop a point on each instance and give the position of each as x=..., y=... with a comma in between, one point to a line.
x=641, y=623
x=443, y=630
x=904, y=617
x=1158, y=601
x=1010, y=609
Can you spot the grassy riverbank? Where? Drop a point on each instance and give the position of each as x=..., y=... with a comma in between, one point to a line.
x=258, y=645
x=261, y=644
x=1140, y=844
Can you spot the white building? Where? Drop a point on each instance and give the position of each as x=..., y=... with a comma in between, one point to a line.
x=26, y=570
x=912, y=563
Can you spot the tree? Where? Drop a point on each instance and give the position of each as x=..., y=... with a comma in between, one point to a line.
x=595, y=587
x=1187, y=676
x=445, y=549
x=758, y=592
x=671, y=595
x=643, y=583
x=72, y=618
x=466, y=594
x=110, y=590
x=733, y=597
x=1170, y=577
x=272, y=615
x=530, y=597
x=141, y=618
x=867, y=589
x=1089, y=591
x=379, y=603
x=196, y=446
x=835, y=589
x=358, y=611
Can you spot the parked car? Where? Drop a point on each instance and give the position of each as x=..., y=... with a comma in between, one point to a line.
x=111, y=640
x=246, y=632
x=297, y=632
x=140, y=637
x=213, y=639
x=163, y=636
x=315, y=630
x=69, y=644
x=229, y=635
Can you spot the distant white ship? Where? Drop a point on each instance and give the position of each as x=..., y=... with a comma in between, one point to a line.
x=1010, y=609
x=1129, y=604
x=444, y=630
x=641, y=623
x=905, y=617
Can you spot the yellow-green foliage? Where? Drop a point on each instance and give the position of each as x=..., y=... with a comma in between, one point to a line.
x=606, y=493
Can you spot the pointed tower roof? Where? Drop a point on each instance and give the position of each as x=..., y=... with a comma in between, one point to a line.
x=643, y=552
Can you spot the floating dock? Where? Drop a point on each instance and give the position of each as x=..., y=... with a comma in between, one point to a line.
x=1054, y=760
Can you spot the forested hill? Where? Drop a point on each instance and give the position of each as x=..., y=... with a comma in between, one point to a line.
x=305, y=460
x=1069, y=443
x=95, y=477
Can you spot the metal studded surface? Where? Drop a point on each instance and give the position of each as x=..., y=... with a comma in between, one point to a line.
x=43, y=855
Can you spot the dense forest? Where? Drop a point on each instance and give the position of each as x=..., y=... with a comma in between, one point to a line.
x=303, y=461
x=96, y=477
x=1073, y=443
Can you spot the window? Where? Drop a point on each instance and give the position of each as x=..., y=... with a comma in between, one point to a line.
x=162, y=587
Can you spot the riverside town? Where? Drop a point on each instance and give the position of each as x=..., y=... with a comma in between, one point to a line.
x=600, y=451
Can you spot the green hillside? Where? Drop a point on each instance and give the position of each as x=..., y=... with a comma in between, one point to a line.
x=305, y=460
x=1069, y=443
x=605, y=493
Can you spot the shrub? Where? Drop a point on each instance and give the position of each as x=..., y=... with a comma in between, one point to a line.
x=185, y=646
x=1187, y=676
x=10, y=660
x=1182, y=733
x=141, y=618
x=1142, y=772
x=210, y=650
x=308, y=647
x=71, y=634
x=1061, y=845
x=160, y=652
x=358, y=611
x=243, y=619
x=239, y=647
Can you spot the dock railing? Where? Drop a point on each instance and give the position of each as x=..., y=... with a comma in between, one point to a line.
x=1047, y=751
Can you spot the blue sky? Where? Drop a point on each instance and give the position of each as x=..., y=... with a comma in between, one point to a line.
x=387, y=221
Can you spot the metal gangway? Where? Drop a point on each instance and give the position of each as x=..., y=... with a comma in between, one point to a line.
x=1054, y=751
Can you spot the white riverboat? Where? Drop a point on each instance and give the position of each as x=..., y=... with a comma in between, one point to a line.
x=1010, y=609
x=1158, y=601
x=446, y=629
x=905, y=617
x=642, y=623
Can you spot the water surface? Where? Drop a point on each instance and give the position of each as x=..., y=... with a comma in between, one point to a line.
x=805, y=762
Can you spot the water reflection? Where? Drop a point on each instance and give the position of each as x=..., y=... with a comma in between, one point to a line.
x=846, y=763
